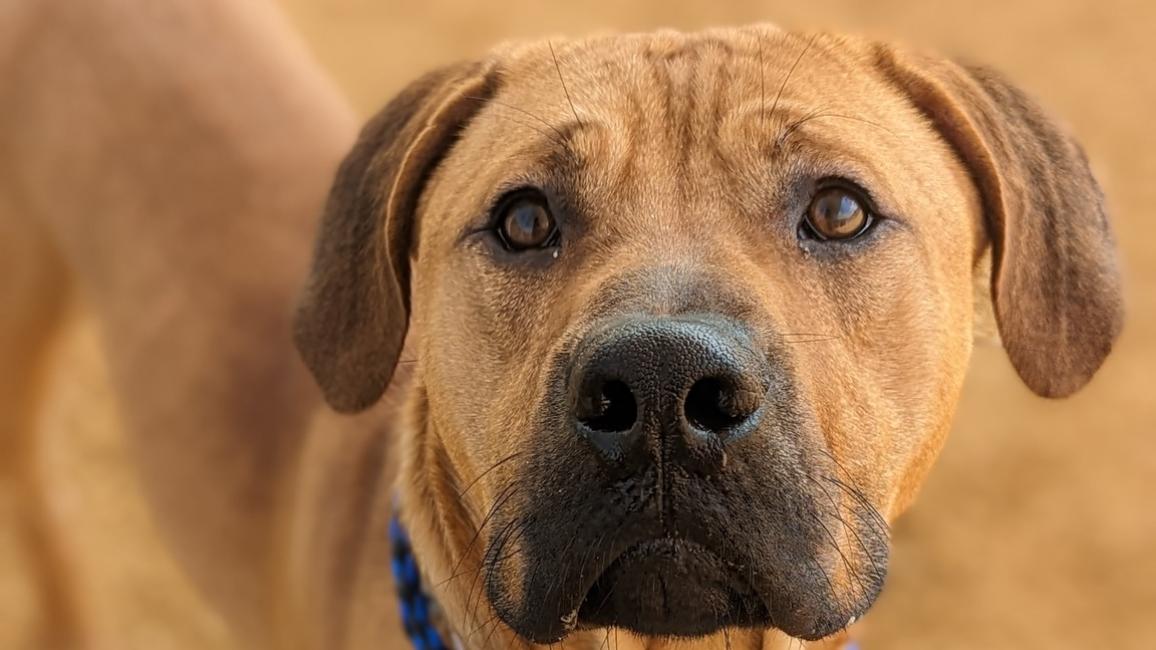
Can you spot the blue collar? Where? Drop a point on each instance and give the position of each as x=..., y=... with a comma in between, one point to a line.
x=416, y=605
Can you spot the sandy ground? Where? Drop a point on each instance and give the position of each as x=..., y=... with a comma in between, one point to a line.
x=1035, y=531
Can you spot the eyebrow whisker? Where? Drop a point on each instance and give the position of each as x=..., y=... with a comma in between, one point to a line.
x=762, y=88
x=563, y=82
x=820, y=113
x=557, y=137
x=791, y=72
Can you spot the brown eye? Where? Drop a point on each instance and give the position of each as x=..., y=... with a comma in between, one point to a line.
x=836, y=213
x=525, y=222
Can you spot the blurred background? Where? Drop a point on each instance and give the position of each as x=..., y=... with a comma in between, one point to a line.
x=1036, y=530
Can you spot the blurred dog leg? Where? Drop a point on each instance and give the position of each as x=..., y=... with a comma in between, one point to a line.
x=178, y=153
x=34, y=286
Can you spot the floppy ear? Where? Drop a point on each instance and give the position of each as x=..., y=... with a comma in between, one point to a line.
x=1055, y=282
x=354, y=311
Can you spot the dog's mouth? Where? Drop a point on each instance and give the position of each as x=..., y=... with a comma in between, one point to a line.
x=671, y=587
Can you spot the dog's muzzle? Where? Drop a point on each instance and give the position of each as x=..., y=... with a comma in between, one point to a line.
x=655, y=392
x=671, y=491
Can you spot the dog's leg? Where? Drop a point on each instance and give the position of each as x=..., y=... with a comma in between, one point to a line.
x=33, y=284
x=179, y=153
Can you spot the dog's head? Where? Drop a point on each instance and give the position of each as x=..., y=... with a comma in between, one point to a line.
x=691, y=314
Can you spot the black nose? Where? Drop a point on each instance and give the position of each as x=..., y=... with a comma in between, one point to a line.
x=679, y=388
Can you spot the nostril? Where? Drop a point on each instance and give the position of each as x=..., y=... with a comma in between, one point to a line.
x=715, y=405
x=610, y=407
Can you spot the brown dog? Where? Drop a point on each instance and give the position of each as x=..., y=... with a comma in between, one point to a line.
x=685, y=344
x=688, y=317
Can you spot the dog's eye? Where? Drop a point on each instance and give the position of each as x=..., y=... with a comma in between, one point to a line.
x=524, y=222
x=836, y=213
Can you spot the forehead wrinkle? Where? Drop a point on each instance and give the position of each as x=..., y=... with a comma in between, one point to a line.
x=599, y=61
x=658, y=104
x=596, y=75
x=667, y=99
x=646, y=120
x=605, y=143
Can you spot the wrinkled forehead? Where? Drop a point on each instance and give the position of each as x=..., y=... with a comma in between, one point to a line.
x=717, y=69
x=644, y=84
x=688, y=106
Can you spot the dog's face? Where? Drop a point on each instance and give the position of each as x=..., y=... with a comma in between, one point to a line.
x=691, y=314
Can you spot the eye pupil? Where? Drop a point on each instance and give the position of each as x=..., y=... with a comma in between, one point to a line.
x=527, y=223
x=836, y=213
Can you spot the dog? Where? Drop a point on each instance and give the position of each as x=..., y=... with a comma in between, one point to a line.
x=670, y=328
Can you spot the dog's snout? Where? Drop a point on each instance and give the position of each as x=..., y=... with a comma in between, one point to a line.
x=665, y=387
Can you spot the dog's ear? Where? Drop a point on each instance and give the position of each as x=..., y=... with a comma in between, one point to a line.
x=1055, y=282
x=353, y=315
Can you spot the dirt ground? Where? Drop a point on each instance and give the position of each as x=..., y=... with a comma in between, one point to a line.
x=1036, y=530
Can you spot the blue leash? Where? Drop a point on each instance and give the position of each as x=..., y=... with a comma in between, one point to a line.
x=415, y=604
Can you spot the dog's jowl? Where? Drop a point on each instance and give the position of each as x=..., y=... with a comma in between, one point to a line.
x=690, y=315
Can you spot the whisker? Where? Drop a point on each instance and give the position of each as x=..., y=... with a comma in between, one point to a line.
x=876, y=570
x=794, y=126
x=856, y=493
x=477, y=574
x=835, y=510
x=563, y=82
x=817, y=114
x=826, y=578
x=877, y=519
x=492, y=559
x=503, y=496
x=558, y=137
x=853, y=118
x=814, y=339
x=494, y=556
x=762, y=93
x=591, y=550
x=494, y=628
x=610, y=592
x=565, y=554
x=846, y=562
x=492, y=622
x=808, y=337
x=491, y=468
x=791, y=72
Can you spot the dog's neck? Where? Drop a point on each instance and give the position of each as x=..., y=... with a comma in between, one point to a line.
x=443, y=537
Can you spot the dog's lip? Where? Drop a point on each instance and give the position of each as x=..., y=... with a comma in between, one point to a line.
x=642, y=550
